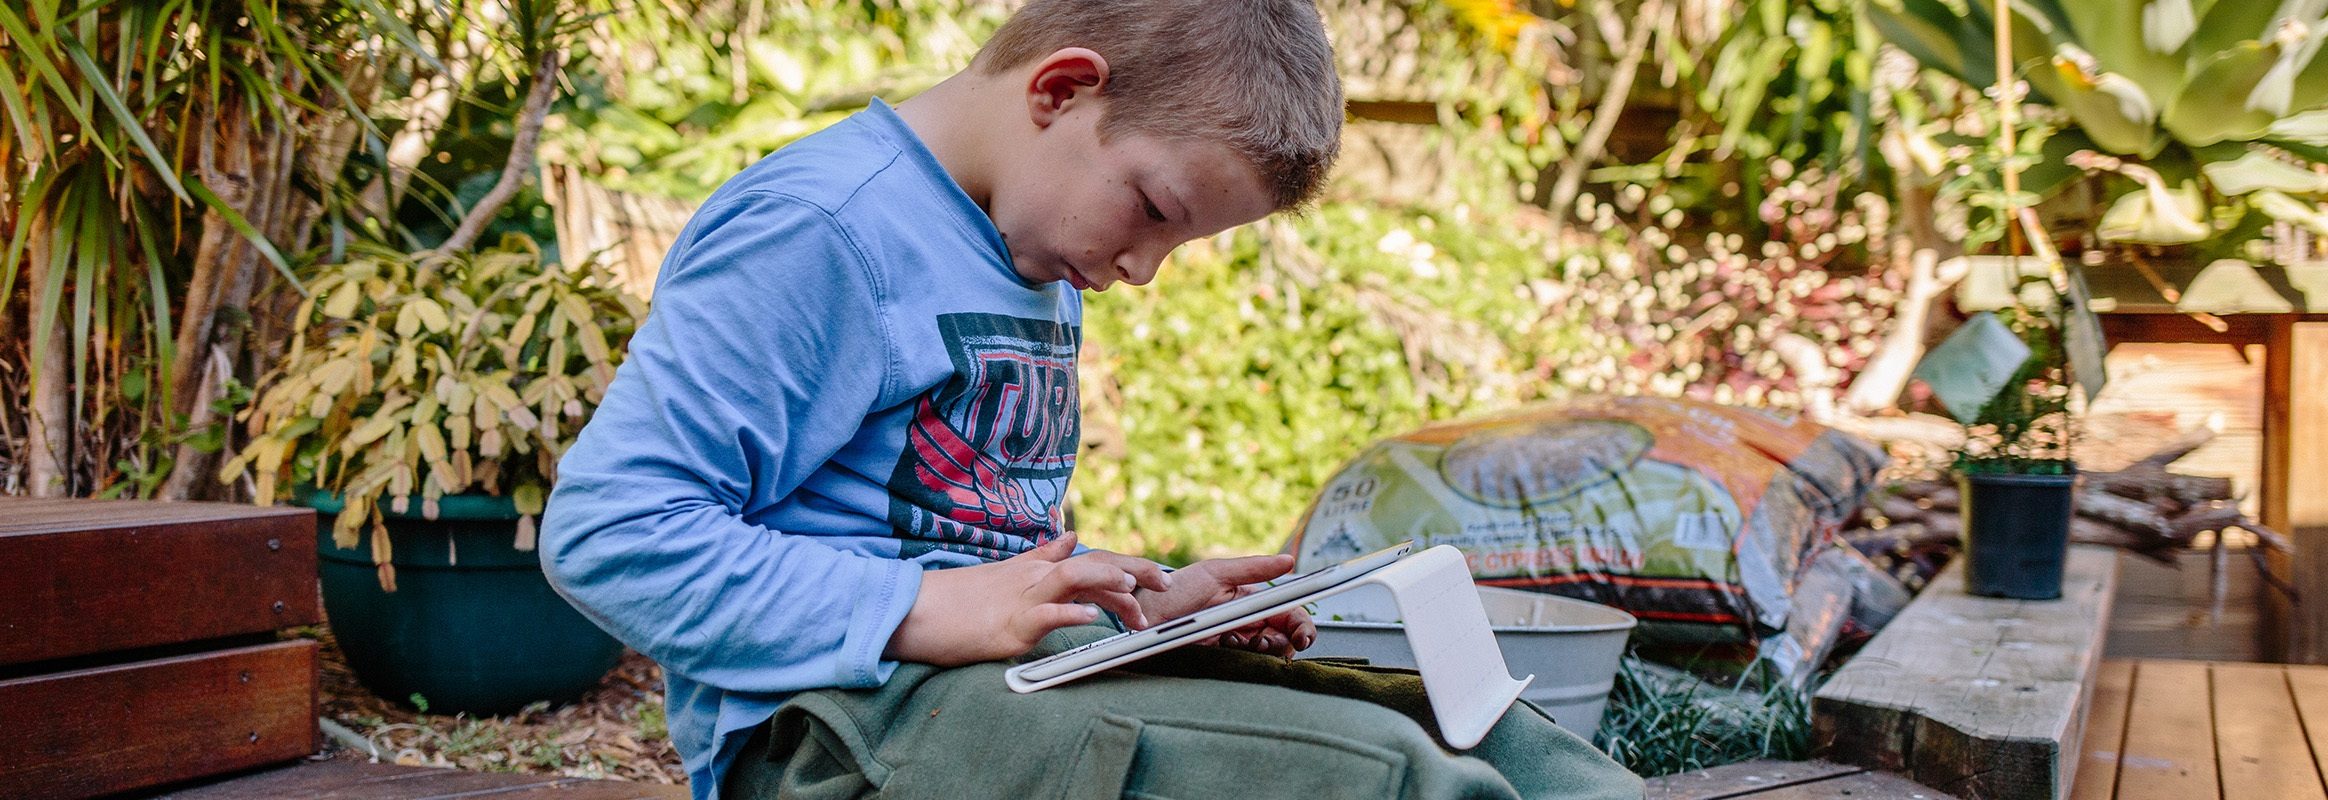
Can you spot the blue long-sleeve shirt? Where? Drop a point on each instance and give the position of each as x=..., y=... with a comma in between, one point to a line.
x=841, y=383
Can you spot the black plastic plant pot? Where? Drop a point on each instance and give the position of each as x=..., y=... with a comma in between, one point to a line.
x=473, y=625
x=2016, y=533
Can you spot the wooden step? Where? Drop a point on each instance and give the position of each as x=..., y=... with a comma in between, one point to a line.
x=90, y=732
x=114, y=575
x=140, y=642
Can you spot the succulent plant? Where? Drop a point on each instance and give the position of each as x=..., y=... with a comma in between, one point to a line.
x=2212, y=110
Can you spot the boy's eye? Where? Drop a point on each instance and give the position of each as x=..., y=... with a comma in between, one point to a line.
x=1147, y=205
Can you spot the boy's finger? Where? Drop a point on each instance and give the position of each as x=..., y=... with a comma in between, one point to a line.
x=1249, y=569
x=1149, y=574
x=1054, y=550
x=1120, y=602
x=1094, y=581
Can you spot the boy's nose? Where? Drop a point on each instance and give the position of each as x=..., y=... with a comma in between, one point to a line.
x=1138, y=266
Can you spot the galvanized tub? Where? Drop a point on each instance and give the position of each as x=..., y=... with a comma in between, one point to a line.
x=1571, y=646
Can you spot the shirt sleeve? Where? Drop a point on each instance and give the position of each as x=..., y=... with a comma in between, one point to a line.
x=765, y=349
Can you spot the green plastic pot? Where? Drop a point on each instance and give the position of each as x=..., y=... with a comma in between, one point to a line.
x=473, y=626
x=2016, y=533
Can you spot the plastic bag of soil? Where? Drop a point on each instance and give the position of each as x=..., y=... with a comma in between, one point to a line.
x=1698, y=519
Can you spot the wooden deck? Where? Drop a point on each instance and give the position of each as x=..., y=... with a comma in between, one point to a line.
x=355, y=779
x=2196, y=729
x=1788, y=780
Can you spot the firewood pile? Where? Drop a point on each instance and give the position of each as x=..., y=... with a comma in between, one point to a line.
x=1915, y=527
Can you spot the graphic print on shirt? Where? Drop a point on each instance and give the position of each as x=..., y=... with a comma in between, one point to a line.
x=988, y=453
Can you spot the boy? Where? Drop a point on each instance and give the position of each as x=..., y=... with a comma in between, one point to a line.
x=837, y=455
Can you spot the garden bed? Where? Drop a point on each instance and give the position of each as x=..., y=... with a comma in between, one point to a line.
x=616, y=730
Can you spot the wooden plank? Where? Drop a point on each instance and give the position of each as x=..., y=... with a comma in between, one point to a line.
x=296, y=780
x=1856, y=786
x=1980, y=697
x=2097, y=768
x=344, y=779
x=2259, y=744
x=2121, y=328
x=111, y=729
x=579, y=789
x=1738, y=780
x=2170, y=735
x=2310, y=687
x=199, y=574
x=22, y=516
x=427, y=784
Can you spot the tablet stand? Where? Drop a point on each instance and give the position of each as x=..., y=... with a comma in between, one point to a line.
x=1463, y=671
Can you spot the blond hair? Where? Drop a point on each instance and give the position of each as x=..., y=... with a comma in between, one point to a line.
x=1256, y=75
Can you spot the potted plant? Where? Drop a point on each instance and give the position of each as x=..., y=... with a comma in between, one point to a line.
x=422, y=408
x=2007, y=376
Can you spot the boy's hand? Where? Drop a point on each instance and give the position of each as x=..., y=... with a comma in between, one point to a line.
x=992, y=611
x=1208, y=583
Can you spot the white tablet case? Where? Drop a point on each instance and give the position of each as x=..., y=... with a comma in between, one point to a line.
x=1463, y=671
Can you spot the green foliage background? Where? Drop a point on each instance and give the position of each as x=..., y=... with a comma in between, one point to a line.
x=1220, y=398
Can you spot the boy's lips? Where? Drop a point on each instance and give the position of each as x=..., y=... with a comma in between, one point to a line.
x=1075, y=277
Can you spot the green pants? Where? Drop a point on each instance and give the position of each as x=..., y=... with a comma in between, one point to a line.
x=960, y=733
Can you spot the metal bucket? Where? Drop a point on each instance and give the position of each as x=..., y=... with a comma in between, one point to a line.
x=1571, y=646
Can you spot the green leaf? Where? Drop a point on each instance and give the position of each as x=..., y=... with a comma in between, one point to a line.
x=2155, y=215
x=2230, y=22
x=95, y=80
x=235, y=220
x=2254, y=171
x=1972, y=364
x=528, y=499
x=28, y=136
x=2215, y=106
x=2309, y=127
x=29, y=46
x=2112, y=30
x=2082, y=336
x=344, y=300
x=2287, y=209
x=2109, y=108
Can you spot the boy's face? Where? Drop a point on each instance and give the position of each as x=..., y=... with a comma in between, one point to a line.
x=1075, y=208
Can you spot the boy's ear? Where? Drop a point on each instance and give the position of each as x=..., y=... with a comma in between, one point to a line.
x=1067, y=78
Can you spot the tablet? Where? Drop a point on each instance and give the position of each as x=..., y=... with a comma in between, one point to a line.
x=1131, y=646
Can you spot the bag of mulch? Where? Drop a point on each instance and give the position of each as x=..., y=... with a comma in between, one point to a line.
x=1697, y=518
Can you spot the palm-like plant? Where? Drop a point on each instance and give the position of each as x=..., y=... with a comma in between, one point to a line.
x=170, y=162
x=2214, y=109
x=161, y=156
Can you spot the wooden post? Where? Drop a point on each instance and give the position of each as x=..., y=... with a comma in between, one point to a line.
x=2295, y=479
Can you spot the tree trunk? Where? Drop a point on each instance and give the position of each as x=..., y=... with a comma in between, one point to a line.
x=48, y=430
x=260, y=159
x=1604, y=116
x=225, y=134
x=520, y=165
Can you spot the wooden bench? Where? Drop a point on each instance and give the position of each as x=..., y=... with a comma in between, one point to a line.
x=139, y=643
x=1975, y=696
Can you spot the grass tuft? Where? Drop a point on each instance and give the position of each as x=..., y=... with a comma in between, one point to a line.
x=1661, y=721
